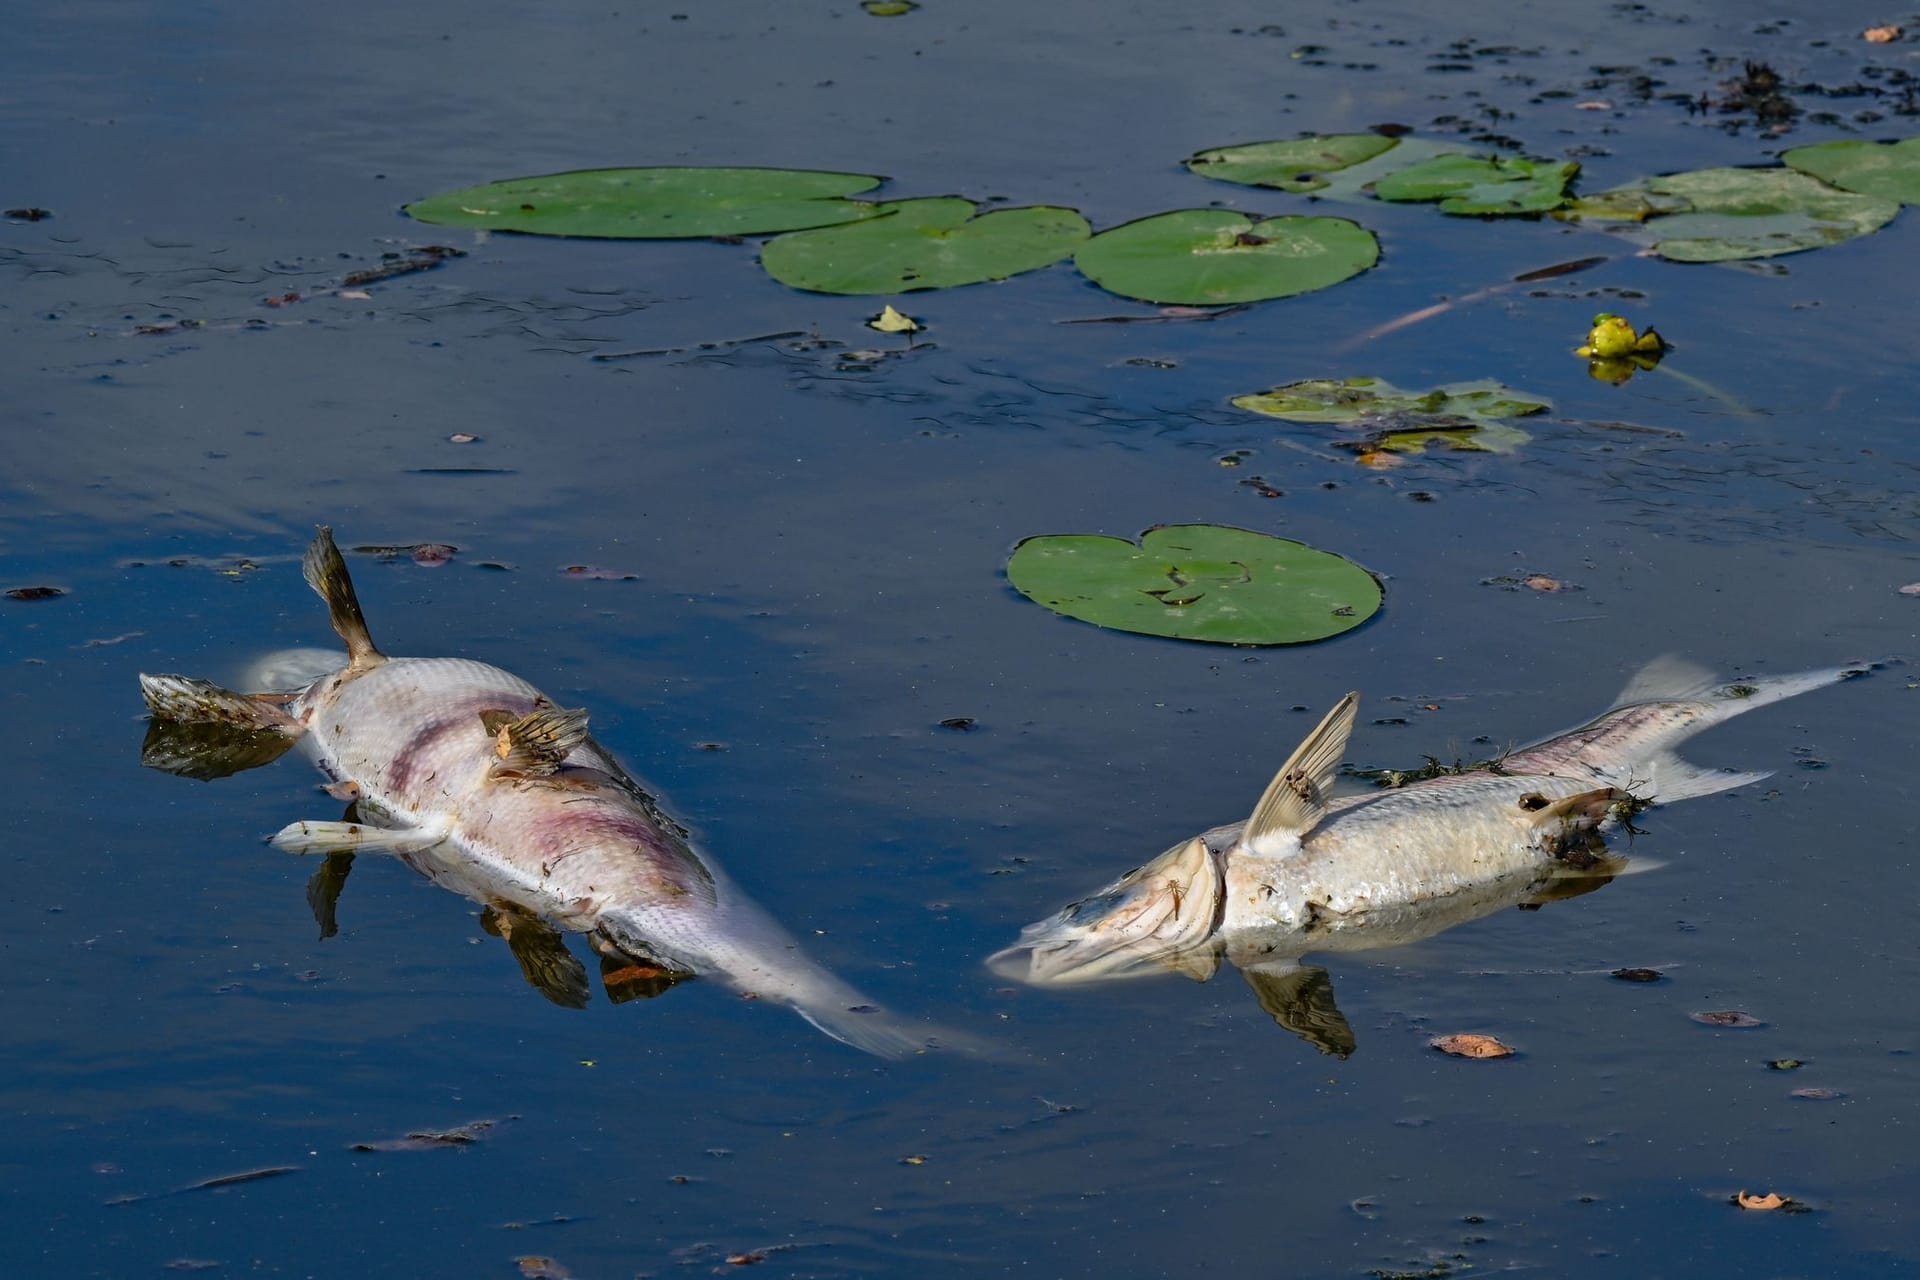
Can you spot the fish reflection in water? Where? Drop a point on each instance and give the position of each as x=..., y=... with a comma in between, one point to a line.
x=476, y=779
x=1310, y=873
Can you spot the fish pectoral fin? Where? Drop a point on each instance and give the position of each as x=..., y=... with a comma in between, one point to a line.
x=536, y=744
x=326, y=572
x=1296, y=800
x=549, y=967
x=1300, y=999
x=351, y=837
x=1582, y=812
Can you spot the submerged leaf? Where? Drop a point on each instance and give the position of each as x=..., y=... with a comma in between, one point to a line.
x=655, y=203
x=1197, y=582
x=933, y=243
x=1890, y=170
x=1726, y=1018
x=1347, y=400
x=1297, y=164
x=1209, y=257
x=1465, y=184
x=1725, y=215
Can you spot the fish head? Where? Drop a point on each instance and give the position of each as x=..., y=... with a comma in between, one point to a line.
x=1162, y=916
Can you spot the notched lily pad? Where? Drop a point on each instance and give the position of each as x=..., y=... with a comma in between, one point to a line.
x=1460, y=415
x=1297, y=164
x=1483, y=185
x=655, y=203
x=1197, y=582
x=1211, y=257
x=1890, y=170
x=1726, y=215
x=933, y=243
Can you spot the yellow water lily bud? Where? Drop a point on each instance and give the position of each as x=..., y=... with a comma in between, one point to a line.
x=1610, y=338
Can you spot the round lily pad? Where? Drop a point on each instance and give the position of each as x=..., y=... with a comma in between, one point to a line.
x=1197, y=582
x=1723, y=215
x=1297, y=164
x=660, y=203
x=1890, y=170
x=933, y=243
x=1465, y=184
x=1210, y=257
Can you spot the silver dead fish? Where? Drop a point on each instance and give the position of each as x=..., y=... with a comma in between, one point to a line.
x=479, y=780
x=1308, y=873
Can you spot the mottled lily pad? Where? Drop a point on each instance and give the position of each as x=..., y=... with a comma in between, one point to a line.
x=1465, y=184
x=1297, y=164
x=1890, y=170
x=660, y=203
x=934, y=243
x=1460, y=415
x=1197, y=582
x=1725, y=215
x=1211, y=257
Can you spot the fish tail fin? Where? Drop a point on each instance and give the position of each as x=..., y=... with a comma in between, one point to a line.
x=843, y=1013
x=1632, y=745
x=326, y=572
x=1673, y=679
x=1669, y=778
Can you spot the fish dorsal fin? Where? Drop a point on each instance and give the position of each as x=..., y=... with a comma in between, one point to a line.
x=1296, y=799
x=534, y=745
x=326, y=573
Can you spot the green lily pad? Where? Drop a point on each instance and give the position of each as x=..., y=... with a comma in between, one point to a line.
x=1465, y=184
x=1197, y=582
x=1211, y=257
x=1370, y=401
x=933, y=243
x=1724, y=215
x=1298, y=164
x=1890, y=170
x=661, y=203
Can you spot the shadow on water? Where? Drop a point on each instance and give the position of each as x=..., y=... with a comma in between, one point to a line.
x=214, y=1057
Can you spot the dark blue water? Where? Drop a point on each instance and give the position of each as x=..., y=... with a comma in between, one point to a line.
x=817, y=552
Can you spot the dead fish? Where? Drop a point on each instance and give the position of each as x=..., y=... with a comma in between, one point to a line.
x=481, y=781
x=1310, y=872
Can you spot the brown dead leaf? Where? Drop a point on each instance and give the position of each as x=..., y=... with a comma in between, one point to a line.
x=1771, y=1200
x=598, y=573
x=535, y=1267
x=1541, y=582
x=1881, y=35
x=1378, y=458
x=1726, y=1018
x=35, y=593
x=1469, y=1044
x=1816, y=1094
x=748, y=1258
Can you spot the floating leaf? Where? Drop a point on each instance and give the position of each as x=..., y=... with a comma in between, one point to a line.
x=1197, y=582
x=1294, y=165
x=1816, y=1094
x=1466, y=184
x=1726, y=1018
x=660, y=203
x=1769, y=1201
x=1724, y=215
x=1637, y=975
x=892, y=321
x=934, y=243
x=1210, y=257
x=1469, y=1044
x=1890, y=170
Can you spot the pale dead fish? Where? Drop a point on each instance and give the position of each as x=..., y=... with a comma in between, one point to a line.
x=1308, y=873
x=476, y=778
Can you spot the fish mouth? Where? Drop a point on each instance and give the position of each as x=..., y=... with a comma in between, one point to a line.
x=1164, y=916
